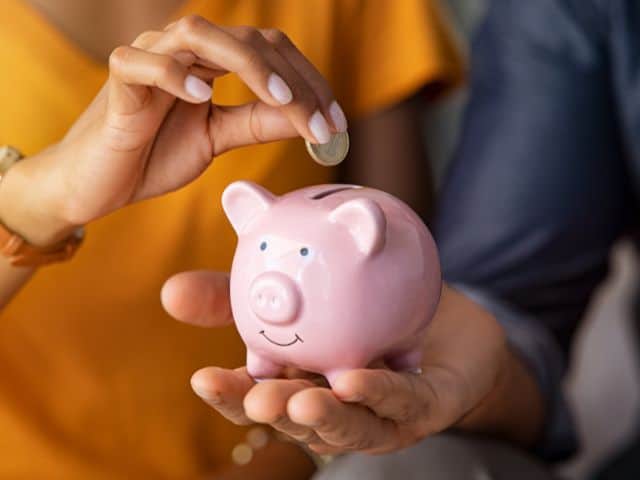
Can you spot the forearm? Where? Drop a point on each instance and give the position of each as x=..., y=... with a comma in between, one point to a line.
x=387, y=153
x=488, y=385
x=11, y=280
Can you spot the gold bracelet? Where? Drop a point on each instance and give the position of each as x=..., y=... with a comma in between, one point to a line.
x=15, y=248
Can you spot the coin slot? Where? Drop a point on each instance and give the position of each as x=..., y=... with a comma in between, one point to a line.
x=326, y=193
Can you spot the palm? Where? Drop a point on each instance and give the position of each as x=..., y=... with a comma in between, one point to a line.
x=374, y=410
x=180, y=151
x=151, y=144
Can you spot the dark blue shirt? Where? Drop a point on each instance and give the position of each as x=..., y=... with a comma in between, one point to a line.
x=546, y=175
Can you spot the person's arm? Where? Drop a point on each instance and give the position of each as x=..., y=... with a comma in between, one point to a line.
x=28, y=211
x=153, y=129
x=11, y=280
x=537, y=192
x=467, y=382
x=398, y=57
x=536, y=196
x=387, y=152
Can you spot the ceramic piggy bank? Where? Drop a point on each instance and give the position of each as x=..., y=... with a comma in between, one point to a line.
x=329, y=278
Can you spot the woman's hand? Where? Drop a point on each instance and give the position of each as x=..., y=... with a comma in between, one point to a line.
x=469, y=380
x=153, y=129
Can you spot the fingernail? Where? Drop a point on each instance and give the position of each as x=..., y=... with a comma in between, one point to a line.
x=337, y=117
x=279, y=89
x=319, y=127
x=197, y=88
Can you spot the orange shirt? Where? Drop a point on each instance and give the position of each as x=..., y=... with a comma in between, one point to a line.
x=94, y=376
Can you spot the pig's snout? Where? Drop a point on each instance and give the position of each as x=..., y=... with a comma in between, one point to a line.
x=274, y=298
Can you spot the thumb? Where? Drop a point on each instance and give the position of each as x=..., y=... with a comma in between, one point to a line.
x=199, y=298
x=241, y=125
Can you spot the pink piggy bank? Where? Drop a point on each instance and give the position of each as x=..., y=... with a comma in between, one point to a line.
x=329, y=278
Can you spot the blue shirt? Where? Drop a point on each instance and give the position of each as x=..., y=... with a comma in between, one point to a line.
x=546, y=176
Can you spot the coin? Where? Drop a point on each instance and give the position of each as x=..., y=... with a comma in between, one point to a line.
x=331, y=153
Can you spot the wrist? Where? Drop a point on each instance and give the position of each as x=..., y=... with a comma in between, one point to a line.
x=28, y=206
x=501, y=412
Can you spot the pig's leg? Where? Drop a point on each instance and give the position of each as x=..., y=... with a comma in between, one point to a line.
x=261, y=368
x=408, y=360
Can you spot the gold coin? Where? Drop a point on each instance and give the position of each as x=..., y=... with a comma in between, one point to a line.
x=331, y=153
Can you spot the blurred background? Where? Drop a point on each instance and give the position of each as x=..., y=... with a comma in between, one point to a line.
x=604, y=381
x=603, y=385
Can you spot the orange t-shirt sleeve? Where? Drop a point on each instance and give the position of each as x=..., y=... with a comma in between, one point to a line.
x=392, y=49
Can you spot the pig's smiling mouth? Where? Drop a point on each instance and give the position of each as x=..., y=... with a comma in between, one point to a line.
x=295, y=340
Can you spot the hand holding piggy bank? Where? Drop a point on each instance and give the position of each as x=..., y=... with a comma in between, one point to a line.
x=329, y=278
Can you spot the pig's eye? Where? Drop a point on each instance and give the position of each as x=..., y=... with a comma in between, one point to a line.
x=304, y=251
x=263, y=246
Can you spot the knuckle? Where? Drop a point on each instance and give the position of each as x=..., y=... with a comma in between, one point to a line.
x=251, y=60
x=305, y=437
x=419, y=430
x=74, y=211
x=423, y=429
x=388, y=381
x=167, y=70
x=255, y=126
x=190, y=24
x=360, y=443
x=377, y=400
x=250, y=35
x=406, y=411
x=322, y=422
x=277, y=37
x=144, y=39
x=340, y=430
x=380, y=390
x=118, y=57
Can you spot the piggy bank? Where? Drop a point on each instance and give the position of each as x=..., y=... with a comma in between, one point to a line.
x=329, y=278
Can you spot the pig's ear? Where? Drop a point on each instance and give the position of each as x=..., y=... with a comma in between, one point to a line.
x=366, y=223
x=242, y=201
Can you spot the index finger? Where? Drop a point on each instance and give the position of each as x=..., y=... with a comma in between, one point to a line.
x=221, y=49
x=310, y=73
x=347, y=427
x=224, y=390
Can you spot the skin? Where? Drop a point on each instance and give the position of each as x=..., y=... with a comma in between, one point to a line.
x=118, y=152
x=468, y=381
x=393, y=135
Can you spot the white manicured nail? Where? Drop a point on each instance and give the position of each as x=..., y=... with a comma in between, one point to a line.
x=197, y=88
x=319, y=127
x=279, y=89
x=338, y=117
